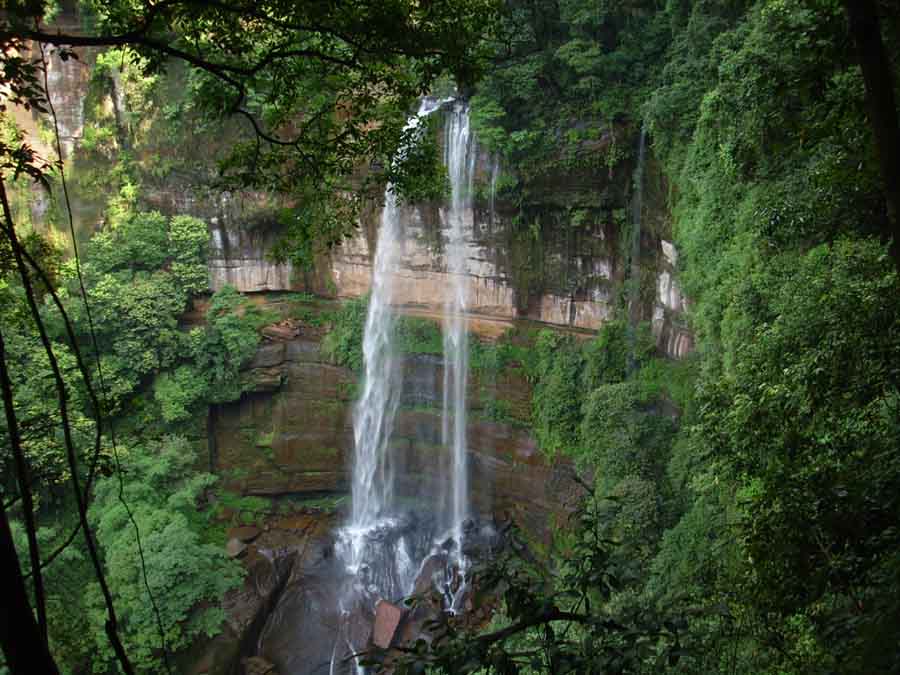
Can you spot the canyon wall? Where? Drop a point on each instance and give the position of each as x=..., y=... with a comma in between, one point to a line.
x=554, y=272
x=291, y=433
x=557, y=256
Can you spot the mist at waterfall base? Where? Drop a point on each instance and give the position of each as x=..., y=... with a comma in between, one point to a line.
x=393, y=548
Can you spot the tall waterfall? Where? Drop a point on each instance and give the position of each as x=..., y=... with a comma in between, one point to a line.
x=459, y=155
x=373, y=471
x=388, y=552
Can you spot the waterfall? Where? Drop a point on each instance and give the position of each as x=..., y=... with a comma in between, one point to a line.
x=495, y=171
x=634, y=296
x=384, y=550
x=459, y=155
x=372, y=486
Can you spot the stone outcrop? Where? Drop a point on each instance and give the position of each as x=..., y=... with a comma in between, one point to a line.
x=556, y=259
x=580, y=274
x=246, y=608
x=387, y=620
x=565, y=268
x=669, y=321
x=495, y=288
x=292, y=432
x=241, y=258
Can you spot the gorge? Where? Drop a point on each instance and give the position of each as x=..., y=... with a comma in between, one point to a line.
x=481, y=337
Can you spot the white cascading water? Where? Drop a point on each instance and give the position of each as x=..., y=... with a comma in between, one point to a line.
x=385, y=551
x=372, y=486
x=373, y=545
x=460, y=161
x=495, y=171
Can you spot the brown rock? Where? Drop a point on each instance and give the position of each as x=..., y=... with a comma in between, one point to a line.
x=245, y=534
x=235, y=548
x=281, y=331
x=387, y=619
x=256, y=665
x=268, y=355
x=262, y=379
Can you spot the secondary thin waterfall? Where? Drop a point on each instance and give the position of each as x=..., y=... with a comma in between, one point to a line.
x=636, y=214
x=460, y=161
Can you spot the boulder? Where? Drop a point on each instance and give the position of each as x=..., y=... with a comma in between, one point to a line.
x=256, y=665
x=387, y=619
x=246, y=534
x=235, y=548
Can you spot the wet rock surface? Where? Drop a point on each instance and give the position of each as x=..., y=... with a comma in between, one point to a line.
x=298, y=438
x=299, y=634
x=271, y=553
x=325, y=615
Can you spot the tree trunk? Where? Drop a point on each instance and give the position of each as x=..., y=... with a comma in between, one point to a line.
x=23, y=647
x=878, y=77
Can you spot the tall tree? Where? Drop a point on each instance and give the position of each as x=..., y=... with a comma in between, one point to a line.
x=865, y=27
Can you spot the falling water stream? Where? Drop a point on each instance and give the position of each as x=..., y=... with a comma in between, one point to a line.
x=384, y=549
x=459, y=154
x=637, y=206
x=372, y=488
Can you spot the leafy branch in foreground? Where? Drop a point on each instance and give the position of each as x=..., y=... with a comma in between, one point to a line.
x=550, y=618
x=322, y=87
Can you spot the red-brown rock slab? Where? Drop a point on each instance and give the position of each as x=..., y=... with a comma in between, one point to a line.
x=256, y=665
x=281, y=331
x=387, y=619
x=235, y=547
x=246, y=534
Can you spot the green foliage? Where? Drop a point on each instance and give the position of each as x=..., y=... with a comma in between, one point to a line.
x=570, y=76
x=36, y=403
x=759, y=118
x=187, y=577
x=552, y=620
x=140, y=274
x=812, y=440
x=343, y=343
x=610, y=430
x=416, y=335
x=177, y=392
x=70, y=631
x=766, y=514
x=581, y=403
x=189, y=239
x=243, y=510
x=229, y=341
x=557, y=392
x=217, y=351
x=618, y=350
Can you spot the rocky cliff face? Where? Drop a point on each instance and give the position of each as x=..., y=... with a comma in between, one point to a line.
x=565, y=267
x=560, y=258
x=292, y=433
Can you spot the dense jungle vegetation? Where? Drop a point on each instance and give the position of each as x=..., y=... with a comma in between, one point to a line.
x=743, y=504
